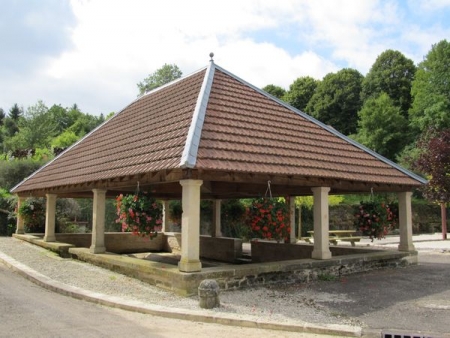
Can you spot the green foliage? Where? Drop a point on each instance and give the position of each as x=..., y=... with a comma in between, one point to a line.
x=308, y=201
x=336, y=101
x=15, y=113
x=37, y=128
x=431, y=90
x=161, y=76
x=65, y=139
x=175, y=211
x=273, y=90
x=32, y=211
x=326, y=277
x=140, y=214
x=382, y=127
x=233, y=219
x=300, y=92
x=13, y=172
x=392, y=73
x=2, y=117
x=7, y=216
x=84, y=123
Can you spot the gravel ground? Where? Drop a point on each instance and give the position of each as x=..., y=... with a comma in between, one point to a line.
x=412, y=299
x=284, y=303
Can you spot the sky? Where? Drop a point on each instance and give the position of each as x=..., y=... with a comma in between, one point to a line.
x=94, y=52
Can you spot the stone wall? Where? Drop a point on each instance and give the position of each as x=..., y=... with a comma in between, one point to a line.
x=223, y=249
x=266, y=251
x=117, y=242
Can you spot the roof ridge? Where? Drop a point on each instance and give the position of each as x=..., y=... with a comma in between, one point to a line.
x=326, y=127
x=189, y=155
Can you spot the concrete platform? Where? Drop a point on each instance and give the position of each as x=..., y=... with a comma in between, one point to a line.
x=164, y=272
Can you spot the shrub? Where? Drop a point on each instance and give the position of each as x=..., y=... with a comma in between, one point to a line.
x=32, y=211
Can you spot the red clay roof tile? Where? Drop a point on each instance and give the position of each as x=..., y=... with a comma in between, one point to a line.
x=244, y=130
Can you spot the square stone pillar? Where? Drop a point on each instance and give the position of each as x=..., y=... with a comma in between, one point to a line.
x=217, y=223
x=321, y=224
x=405, y=221
x=98, y=222
x=20, y=226
x=299, y=222
x=50, y=213
x=190, y=229
x=166, y=216
x=293, y=239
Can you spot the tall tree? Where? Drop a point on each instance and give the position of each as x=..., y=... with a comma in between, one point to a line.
x=274, y=90
x=392, y=73
x=37, y=129
x=12, y=121
x=161, y=76
x=434, y=161
x=337, y=100
x=15, y=112
x=60, y=117
x=301, y=91
x=2, y=117
x=382, y=127
x=431, y=90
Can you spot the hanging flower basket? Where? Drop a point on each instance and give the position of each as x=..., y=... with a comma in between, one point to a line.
x=375, y=219
x=269, y=219
x=140, y=214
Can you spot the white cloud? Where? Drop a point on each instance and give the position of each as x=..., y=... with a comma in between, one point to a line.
x=115, y=44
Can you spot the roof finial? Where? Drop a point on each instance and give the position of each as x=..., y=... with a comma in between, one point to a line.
x=211, y=55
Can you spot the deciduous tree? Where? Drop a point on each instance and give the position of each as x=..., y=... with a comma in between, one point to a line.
x=434, y=161
x=392, y=73
x=382, y=127
x=337, y=100
x=431, y=90
x=301, y=91
x=161, y=76
x=274, y=90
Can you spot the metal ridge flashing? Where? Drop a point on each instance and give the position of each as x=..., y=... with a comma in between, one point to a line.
x=328, y=128
x=189, y=156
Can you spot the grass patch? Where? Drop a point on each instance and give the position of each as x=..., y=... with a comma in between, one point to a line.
x=326, y=277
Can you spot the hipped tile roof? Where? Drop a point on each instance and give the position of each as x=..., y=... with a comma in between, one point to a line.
x=213, y=120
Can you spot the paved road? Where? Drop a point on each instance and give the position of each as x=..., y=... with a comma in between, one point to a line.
x=27, y=310
x=414, y=299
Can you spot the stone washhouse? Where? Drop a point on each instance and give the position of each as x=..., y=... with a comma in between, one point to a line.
x=211, y=135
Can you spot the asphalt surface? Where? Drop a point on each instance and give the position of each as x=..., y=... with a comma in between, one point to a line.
x=411, y=301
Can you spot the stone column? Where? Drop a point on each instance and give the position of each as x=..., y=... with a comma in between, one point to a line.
x=405, y=221
x=217, y=209
x=166, y=214
x=293, y=239
x=299, y=222
x=20, y=226
x=98, y=222
x=190, y=230
x=50, y=212
x=321, y=224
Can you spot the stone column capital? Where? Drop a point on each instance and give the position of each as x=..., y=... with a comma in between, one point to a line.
x=191, y=182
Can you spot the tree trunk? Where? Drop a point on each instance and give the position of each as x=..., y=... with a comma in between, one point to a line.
x=444, y=221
